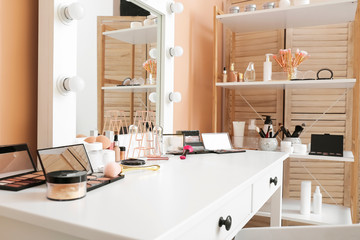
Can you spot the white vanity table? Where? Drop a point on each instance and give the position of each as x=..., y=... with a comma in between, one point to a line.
x=183, y=200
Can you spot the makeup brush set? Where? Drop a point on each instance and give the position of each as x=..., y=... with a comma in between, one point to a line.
x=298, y=130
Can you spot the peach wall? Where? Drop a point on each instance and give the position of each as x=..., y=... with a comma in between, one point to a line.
x=18, y=72
x=194, y=70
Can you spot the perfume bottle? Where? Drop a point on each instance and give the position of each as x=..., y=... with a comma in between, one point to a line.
x=249, y=75
x=233, y=76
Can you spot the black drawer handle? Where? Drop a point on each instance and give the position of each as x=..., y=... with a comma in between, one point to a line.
x=227, y=222
x=274, y=180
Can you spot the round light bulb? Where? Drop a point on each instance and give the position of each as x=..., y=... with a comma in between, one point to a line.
x=176, y=51
x=177, y=7
x=153, y=53
x=175, y=97
x=152, y=97
x=74, y=11
x=74, y=84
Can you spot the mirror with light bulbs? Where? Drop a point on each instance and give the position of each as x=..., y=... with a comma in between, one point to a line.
x=112, y=52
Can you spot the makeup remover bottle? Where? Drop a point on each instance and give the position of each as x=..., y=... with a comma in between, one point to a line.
x=267, y=68
x=249, y=75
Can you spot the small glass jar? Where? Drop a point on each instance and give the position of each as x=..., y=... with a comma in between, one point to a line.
x=235, y=9
x=269, y=5
x=250, y=8
x=66, y=185
x=268, y=144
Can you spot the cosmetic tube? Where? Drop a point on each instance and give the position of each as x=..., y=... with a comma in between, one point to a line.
x=305, y=202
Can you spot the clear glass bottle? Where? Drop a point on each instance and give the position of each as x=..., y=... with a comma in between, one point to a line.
x=249, y=75
x=252, y=138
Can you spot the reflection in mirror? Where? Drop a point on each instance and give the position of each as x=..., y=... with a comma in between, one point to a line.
x=65, y=158
x=114, y=60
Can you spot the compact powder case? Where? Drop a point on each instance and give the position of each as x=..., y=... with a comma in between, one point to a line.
x=66, y=185
x=17, y=169
x=73, y=158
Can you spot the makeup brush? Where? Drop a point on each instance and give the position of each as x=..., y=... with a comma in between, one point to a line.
x=260, y=132
x=298, y=130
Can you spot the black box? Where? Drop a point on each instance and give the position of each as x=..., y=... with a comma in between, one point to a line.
x=327, y=145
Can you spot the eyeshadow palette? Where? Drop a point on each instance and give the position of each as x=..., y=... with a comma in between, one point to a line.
x=17, y=169
x=73, y=157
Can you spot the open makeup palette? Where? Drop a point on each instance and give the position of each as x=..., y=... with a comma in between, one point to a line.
x=73, y=157
x=17, y=169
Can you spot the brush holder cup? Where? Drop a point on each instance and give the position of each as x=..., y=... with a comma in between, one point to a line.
x=292, y=140
x=268, y=144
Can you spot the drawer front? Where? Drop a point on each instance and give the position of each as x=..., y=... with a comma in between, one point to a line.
x=239, y=208
x=263, y=188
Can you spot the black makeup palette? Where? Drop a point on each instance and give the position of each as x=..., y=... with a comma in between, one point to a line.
x=17, y=169
x=73, y=157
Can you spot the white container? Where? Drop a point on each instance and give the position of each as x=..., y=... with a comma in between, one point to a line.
x=286, y=147
x=317, y=203
x=267, y=70
x=305, y=200
x=268, y=144
x=135, y=24
x=238, y=128
x=108, y=156
x=300, y=148
x=95, y=153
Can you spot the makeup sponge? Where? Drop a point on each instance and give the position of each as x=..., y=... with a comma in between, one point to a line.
x=90, y=139
x=112, y=169
x=104, y=140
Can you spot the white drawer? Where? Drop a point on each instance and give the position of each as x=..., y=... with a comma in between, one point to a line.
x=263, y=188
x=239, y=208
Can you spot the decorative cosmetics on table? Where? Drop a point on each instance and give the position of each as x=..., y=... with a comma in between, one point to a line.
x=17, y=169
x=73, y=158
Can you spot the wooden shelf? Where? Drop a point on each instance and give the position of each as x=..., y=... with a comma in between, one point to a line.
x=335, y=83
x=348, y=157
x=333, y=12
x=143, y=88
x=331, y=214
x=141, y=35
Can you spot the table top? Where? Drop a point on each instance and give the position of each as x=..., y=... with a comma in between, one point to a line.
x=145, y=204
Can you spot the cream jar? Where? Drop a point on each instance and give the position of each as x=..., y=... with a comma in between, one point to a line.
x=66, y=185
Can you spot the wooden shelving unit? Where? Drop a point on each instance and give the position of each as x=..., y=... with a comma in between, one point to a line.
x=314, y=14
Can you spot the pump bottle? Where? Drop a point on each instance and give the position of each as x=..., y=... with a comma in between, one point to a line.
x=268, y=124
x=267, y=68
x=317, y=201
x=252, y=138
x=233, y=76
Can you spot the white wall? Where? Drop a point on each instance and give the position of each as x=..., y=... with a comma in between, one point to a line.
x=86, y=114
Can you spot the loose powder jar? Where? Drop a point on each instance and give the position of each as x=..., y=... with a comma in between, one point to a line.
x=66, y=185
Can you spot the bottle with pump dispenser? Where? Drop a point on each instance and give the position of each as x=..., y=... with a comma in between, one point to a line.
x=224, y=75
x=267, y=68
x=268, y=127
x=317, y=201
x=249, y=75
x=233, y=76
x=252, y=138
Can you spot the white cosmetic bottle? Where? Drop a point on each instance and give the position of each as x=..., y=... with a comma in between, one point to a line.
x=317, y=201
x=267, y=68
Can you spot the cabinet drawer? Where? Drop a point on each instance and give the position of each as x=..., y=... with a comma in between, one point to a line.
x=239, y=208
x=264, y=187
